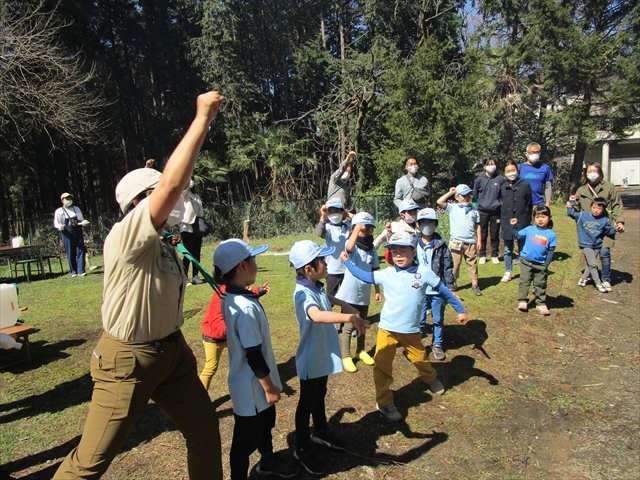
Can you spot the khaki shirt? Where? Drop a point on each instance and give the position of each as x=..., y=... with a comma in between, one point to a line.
x=143, y=281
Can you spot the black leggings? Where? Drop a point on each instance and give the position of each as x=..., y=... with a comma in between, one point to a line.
x=490, y=224
x=193, y=243
x=250, y=433
x=311, y=403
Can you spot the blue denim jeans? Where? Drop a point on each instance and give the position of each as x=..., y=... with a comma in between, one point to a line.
x=437, y=305
x=74, y=248
x=508, y=252
x=605, y=258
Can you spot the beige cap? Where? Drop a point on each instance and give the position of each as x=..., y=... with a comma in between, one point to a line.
x=65, y=195
x=134, y=183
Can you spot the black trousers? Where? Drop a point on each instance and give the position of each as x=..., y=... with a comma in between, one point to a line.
x=193, y=243
x=310, y=404
x=250, y=433
x=490, y=225
x=333, y=282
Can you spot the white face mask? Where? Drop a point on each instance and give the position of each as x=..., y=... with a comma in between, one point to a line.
x=335, y=218
x=593, y=177
x=427, y=229
x=413, y=169
x=490, y=169
x=345, y=176
x=67, y=203
x=534, y=157
x=191, y=184
x=511, y=176
x=409, y=218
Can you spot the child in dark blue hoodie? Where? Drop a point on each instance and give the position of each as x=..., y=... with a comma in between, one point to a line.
x=592, y=227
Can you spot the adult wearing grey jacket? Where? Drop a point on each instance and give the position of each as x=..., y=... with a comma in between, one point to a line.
x=338, y=186
x=412, y=186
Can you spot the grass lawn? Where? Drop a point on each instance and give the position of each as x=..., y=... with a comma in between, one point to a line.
x=518, y=404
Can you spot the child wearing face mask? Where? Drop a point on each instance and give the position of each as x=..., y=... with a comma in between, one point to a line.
x=432, y=251
x=536, y=255
x=592, y=227
x=465, y=239
x=516, y=203
x=486, y=191
x=334, y=228
x=405, y=284
x=356, y=292
x=407, y=223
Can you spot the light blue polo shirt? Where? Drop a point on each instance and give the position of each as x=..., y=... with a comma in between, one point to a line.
x=424, y=254
x=318, y=353
x=462, y=222
x=404, y=292
x=352, y=290
x=247, y=327
x=337, y=236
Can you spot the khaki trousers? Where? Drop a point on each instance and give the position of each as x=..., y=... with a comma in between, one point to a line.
x=470, y=253
x=126, y=375
x=212, y=353
x=386, y=351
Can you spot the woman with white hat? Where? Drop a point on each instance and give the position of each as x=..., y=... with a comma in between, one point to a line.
x=69, y=220
x=142, y=354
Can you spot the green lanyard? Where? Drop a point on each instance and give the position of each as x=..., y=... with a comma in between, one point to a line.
x=181, y=248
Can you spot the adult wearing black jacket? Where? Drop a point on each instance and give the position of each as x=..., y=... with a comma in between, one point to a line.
x=516, y=203
x=487, y=194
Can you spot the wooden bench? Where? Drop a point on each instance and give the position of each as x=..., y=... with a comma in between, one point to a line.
x=21, y=334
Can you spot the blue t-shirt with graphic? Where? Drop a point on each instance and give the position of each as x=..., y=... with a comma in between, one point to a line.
x=537, y=243
x=537, y=175
x=591, y=230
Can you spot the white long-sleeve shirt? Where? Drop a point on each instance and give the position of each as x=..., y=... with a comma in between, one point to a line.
x=64, y=213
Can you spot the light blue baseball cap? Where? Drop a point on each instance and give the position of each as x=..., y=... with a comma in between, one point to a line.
x=231, y=252
x=335, y=202
x=407, y=205
x=401, y=239
x=427, y=214
x=305, y=251
x=463, y=189
x=362, y=218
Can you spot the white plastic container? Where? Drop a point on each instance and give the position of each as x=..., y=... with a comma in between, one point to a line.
x=9, y=311
x=7, y=342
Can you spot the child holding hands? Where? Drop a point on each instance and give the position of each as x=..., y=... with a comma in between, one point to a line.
x=318, y=354
x=405, y=285
x=536, y=255
x=592, y=227
x=356, y=292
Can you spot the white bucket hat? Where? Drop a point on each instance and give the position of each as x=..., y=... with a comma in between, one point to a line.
x=134, y=183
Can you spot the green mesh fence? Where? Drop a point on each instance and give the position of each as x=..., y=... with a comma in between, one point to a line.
x=268, y=219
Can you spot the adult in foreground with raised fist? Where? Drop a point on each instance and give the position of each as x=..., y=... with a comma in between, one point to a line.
x=142, y=354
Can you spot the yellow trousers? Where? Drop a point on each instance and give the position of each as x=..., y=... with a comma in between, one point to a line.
x=212, y=353
x=386, y=344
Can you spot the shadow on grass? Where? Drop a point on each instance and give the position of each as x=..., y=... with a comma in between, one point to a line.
x=561, y=256
x=561, y=301
x=474, y=332
x=362, y=436
x=621, y=277
x=459, y=370
x=487, y=282
x=42, y=353
x=39, y=458
x=57, y=399
x=191, y=313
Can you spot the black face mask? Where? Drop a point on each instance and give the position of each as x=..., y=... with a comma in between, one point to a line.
x=365, y=243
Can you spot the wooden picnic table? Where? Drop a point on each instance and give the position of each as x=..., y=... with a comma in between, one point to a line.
x=20, y=332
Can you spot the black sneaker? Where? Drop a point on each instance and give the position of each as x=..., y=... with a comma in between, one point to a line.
x=276, y=464
x=309, y=462
x=328, y=439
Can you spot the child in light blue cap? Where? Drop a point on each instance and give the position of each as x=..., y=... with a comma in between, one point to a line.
x=405, y=284
x=334, y=228
x=318, y=354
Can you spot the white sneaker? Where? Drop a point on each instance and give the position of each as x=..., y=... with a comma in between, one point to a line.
x=607, y=284
x=391, y=412
x=482, y=260
x=495, y=260
x=506, y=278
